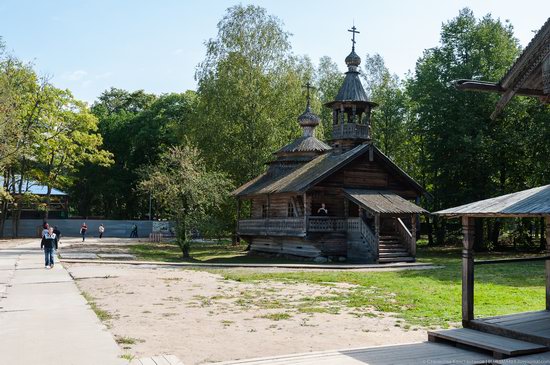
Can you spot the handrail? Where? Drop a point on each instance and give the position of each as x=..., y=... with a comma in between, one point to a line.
x=517, y=259
x=406, y=235
x=369, y=236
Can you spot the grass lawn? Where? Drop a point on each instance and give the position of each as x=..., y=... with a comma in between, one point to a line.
x=420, y=297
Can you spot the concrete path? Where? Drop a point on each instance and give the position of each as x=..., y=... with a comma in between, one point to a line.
x=43, y=317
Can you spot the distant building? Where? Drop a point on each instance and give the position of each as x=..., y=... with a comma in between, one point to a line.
x=346, y=199
x=59, y=200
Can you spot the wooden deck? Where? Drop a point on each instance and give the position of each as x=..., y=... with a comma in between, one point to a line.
x=530, y=326
x=501, y=347
x=406, y=354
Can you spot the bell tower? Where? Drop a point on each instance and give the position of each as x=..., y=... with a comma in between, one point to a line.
x=351, y=110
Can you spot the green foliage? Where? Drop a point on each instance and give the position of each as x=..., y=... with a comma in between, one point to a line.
x=250, y=93
x=186, y=190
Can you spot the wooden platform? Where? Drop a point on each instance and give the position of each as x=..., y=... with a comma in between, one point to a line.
x=530, y=326
x=500, y=347
x=406, y=354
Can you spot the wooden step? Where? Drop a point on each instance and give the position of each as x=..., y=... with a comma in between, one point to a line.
x=394, y=254
x=387, y=260
x=500, y=346
x=392, y=249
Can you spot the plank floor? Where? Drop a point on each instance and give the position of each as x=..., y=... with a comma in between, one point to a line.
x=408, y=354
x=486, y=341
x=530, y=323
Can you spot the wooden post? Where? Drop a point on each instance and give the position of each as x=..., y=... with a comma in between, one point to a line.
x=413, y=234
x=377, y=234
x=237, y=238
x=547, y=262
x=468, y=230
x=268, y=214
x=305, y=213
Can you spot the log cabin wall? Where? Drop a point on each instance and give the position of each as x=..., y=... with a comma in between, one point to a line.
x=366, y=174
x=278, y=205
x=325, y=244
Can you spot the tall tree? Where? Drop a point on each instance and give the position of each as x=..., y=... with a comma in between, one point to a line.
x=250, y=92
x=329, y=79
x=67, y=138
x=455, y=129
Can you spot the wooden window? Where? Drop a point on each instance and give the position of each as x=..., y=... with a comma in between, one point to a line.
x=264, y=211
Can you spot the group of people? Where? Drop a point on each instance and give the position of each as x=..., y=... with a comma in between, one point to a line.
x=84, y=229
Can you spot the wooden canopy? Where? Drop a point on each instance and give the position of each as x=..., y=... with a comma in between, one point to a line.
x=526, y=203
x=382, y=202
x=529, y=75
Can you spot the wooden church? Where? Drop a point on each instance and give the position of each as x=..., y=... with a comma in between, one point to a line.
x=345, y=199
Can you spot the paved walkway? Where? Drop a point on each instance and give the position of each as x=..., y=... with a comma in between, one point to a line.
x=43, y=317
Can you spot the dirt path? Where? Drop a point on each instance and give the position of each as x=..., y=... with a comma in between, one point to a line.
x=202, y=318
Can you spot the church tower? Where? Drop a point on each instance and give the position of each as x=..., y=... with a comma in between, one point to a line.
x=351, y=110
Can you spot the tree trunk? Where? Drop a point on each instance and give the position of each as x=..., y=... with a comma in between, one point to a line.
x=48, y=199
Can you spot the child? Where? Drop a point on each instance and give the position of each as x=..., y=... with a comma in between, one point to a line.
x=49, y=243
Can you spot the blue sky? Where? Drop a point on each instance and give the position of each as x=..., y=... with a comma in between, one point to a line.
x=89, y=46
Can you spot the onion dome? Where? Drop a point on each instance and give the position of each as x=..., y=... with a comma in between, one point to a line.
x=353, y=59
x=308, y=118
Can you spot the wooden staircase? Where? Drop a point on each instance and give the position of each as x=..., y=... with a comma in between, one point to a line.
x=390, y=248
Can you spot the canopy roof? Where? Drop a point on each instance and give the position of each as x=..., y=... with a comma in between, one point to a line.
x=525, y=77
x=382, y=202
x=526, y=203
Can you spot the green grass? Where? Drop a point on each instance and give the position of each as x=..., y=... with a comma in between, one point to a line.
x=127, y=340
x=425, y=297
x=277, y=316
x=103, y=315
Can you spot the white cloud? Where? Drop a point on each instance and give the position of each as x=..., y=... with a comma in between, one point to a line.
x=178, y=51
x=104, y=75
x=75, y=75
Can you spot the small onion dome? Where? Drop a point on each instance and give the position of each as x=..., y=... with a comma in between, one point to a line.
x=353, y=59
x=308, y=119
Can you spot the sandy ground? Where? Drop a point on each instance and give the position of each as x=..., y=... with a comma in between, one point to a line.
x=201, y=318
x=14, y=242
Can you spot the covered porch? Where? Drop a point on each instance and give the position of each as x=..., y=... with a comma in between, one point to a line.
x=530, y=327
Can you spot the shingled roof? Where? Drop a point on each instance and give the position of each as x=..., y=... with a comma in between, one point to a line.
x=302, y=178
x=305, y=144
x=527, y=203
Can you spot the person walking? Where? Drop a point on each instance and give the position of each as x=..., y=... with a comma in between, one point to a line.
x=57, y=235
x=101, y=230
x=83, y=230
x=49, y=245
x=134, y=232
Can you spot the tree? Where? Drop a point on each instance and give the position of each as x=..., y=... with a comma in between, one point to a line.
x=250, y=93
x=454, y=127
x=185, y=190
x=136, y=127
x=329, y=80
x=66, y=139
x=389, y=119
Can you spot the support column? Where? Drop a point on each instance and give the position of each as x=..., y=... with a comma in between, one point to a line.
x=305, y=213
x=237, y=237
x=547, y=262
x=413, y=234
x=377, y=234
x=468, y=230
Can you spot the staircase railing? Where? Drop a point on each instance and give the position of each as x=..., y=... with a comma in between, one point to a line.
x=369, y=236
x=406, y=237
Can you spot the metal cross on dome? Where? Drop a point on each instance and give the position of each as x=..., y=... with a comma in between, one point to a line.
x=354, y=31
x=308, y=87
